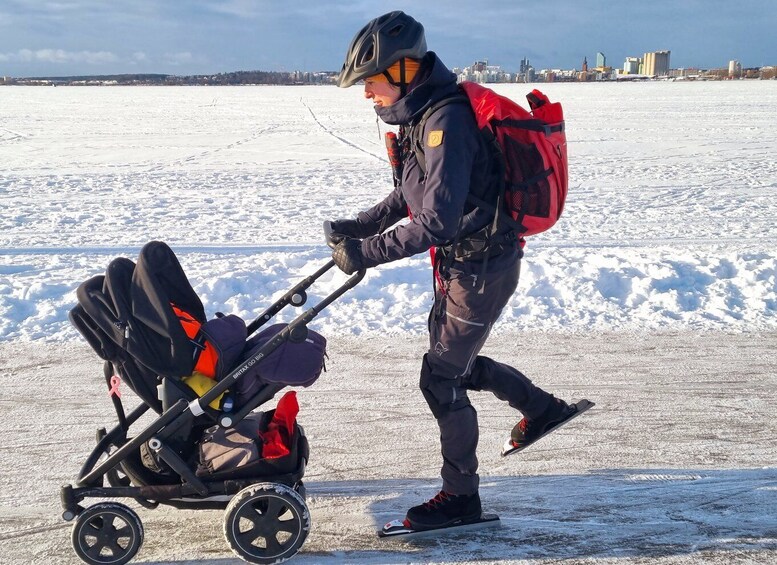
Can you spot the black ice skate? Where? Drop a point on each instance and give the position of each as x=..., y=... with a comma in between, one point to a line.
x=444, y=511
x=527, y=431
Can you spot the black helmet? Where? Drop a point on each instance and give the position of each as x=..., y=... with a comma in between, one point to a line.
x=380, y=44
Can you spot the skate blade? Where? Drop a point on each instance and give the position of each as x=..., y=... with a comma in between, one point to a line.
x=508, y=448
x=402, y=529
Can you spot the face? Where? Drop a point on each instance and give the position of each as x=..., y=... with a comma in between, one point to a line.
x=381, y=92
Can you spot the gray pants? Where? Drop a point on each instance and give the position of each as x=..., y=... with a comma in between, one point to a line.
x=459, y=324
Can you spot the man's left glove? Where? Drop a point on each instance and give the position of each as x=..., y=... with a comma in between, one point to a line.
x=348, y=255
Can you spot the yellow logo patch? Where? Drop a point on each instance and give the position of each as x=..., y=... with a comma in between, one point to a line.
x=435, y=138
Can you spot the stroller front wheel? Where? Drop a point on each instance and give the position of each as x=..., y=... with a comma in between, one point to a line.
x=107, y=533
x=266, y=523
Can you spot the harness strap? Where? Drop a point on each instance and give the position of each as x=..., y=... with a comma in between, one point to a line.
x=531, y=125
x=504, y=216
x=442, y=267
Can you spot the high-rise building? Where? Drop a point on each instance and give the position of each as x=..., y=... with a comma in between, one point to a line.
x=656, y=63
x=601, y=60
x=525, y=65
x=631, y=65
x=734, y=69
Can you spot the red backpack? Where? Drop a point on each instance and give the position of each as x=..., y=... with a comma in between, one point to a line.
x=531, y=149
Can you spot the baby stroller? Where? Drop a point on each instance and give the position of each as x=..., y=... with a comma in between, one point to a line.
x=207, y=448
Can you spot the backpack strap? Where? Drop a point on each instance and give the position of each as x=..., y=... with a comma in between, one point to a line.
x=417, y=145
x=417, y=132
x=503, y=216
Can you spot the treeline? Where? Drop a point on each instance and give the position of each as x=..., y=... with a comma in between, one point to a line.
x=254, y=77
x=236, y=78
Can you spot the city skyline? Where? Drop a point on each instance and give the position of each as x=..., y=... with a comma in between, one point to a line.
x=87, y=37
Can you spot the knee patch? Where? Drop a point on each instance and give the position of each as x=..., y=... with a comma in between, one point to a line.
x=442, y=394
x=480, y=373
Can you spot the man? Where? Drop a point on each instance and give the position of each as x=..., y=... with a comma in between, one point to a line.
x=476, y=266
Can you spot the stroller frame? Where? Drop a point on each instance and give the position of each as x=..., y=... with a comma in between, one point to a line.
x=191, y=490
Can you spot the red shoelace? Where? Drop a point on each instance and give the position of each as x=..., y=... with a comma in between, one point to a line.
x=441, y=497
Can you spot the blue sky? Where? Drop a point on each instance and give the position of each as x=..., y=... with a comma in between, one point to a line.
x=66, y=37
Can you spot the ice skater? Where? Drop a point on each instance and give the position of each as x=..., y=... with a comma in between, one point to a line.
x=476, y=272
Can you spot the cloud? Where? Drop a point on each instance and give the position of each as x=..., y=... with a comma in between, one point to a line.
x=182, y=58
x=325, y=13
x=238, y=8
x=196, y=36
x=59, y=56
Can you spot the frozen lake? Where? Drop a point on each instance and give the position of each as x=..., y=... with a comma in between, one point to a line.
x=655, y=296
x=669, y=222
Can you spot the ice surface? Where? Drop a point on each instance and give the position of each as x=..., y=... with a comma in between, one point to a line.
x=674, y=464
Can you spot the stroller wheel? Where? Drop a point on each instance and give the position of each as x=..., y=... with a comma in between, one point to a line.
x=107, y=533
x=266, y=523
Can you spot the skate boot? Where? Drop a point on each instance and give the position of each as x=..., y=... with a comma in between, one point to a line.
x=527, y=431
x=445, y=510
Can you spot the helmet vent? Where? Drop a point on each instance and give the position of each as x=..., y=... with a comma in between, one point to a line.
x=396, y=30
x=369, y=55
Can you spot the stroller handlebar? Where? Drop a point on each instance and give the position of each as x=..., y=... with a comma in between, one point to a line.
x=297, y=297
x=352, y=281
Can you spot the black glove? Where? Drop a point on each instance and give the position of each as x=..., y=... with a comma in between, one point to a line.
x=348, y=255
x=348, y=228
x=337, y=230
x=332, y=237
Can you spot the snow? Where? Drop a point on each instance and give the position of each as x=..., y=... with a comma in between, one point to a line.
x=655, y=296
x=669, y=222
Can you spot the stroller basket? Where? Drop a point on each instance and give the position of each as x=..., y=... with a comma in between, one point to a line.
x=131, y=319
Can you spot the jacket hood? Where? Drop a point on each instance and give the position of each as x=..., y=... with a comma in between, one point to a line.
x=433, y=82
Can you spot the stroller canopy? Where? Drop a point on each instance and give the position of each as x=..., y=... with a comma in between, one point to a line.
x=127, y=316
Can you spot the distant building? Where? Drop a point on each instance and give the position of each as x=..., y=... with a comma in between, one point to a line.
x=691, y=73
x=656, y=63
x=559, y=75
x=482, y=72
x=631, y=65
x=601, y=60
x=734, y=69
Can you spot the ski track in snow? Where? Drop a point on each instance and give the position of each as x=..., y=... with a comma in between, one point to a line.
x=337, y=137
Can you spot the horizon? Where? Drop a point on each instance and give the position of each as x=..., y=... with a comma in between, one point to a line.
x=203, y=37
x=248, y=71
